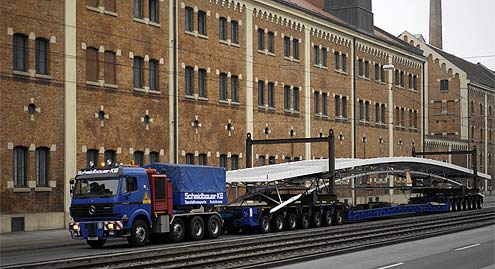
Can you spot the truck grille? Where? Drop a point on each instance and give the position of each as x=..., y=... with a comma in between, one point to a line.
x=92, y=210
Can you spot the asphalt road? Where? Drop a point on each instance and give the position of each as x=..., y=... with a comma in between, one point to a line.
x=473, y=249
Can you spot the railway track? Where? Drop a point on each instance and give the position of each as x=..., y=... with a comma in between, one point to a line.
x=284, y=247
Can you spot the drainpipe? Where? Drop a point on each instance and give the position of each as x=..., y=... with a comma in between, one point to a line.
x=354, y=135
x=176, y=125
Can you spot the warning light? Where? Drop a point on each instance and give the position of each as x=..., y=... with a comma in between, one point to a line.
x=102, y=164
x=131, y=162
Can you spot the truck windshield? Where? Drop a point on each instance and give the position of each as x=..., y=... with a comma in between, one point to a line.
x=96, y=187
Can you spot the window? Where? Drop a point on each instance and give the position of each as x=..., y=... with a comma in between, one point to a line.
x=109, y=70
x=189, y=158
x=234, y=95
x=437, y=108
x=189, y=21
x=444, y=85
x=201, y=83
x=154, y=157
x=222, y=87
x=110, y=5
x=154, y=11
x=324, y=57
x=42, y=163
x=324, y=104
x=411, y=118
x=316, y=55
x=261, y=39
x=286, y=97
x=377, y=72
x=234, y=162
x=337, y=106
x=415, y=119
x=377, y=113
x=344, y=63
x=223, y=160
x=110, y=156
x=92, y=3
x=91, y=64
x=189, y=80
x=91, y=157
x=410, y=82
x=271, y=42
x=382, y=76
x=317, y=102
x=402, y=79
x=336, y=56
x=271, y=95
x=20, y=166
x=295, y=99
x=402, y=117
x=153, y=75
x=202, y=22
x=20, y=52
x=129, y=185
x=344, y=107
x=138, y=72
x=286, y=46
x=415, y=83
x=366, y=69
x=383, y=113
x=261, y=160
x=397, y=77
x=139, y=158
x=287, y=159
x=261, y=92
x=360, y=67
x=202, y=159
x=295, y=49
x=361, y=110
x=234, y=32
x=138, y=9
x=222, y=28
x=367, y=111
x=271, y=160
x=42, y=56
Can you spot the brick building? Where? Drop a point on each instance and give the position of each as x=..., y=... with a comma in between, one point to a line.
x=184, y=81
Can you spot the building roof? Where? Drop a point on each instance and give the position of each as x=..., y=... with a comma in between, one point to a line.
x=475, y=72
x=306, y=6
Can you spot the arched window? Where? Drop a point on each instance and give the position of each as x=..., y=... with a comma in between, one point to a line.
x=234, y=161
x=154, y=157
x=139, y=158
x=202, y=160
x=223, y=160
x=91, y=157
x=189, y=158
x=110, y=156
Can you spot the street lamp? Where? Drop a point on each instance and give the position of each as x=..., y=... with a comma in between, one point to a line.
x=364, y=146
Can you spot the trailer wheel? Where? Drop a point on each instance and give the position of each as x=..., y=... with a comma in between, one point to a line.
x=327, y=218
x=316, y=219
x=464, y=204
x=304, y=221
x=469, y=203
x=214, y=227
x=458, y=204
x=177, y=230
x=339, y=217
x=264, y=224
x=139, y=234
x=291, y=222
x=278, y=223
x=451, y=205
x=96, y=243
x=197, y=228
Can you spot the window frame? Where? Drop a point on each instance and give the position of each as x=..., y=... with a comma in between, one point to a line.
x=324, y=104
x=138, y=72
x=222, y=29
x=154, y=157
x=92, y=64
x=324, y=55
x=20, y=166
x=154, y=11
x=295, y=99
x=188, y=19
x=154, y=78
x=20, y=50
x=271, y=42
x=222, y=86
x=234, y=32
x=138, y=9
x=202, y=159
x=271, y=94
x=261, y=93
x=234, y=88
x=261, y=39
x=109, y=71
x=295, y=48
x=189, y=80
x=202, y=83
x=286, y=46
x=202, y=23
x=287, y=97
x=89, y=154
x=138, y=157
x=189, y=158
x=42, y=57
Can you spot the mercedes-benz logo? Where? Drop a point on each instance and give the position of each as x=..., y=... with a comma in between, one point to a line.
x=92, y=209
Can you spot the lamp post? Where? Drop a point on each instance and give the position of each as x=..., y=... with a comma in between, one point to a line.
x=364, y=146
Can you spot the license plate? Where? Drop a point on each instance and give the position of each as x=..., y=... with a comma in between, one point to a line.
x=93, y=238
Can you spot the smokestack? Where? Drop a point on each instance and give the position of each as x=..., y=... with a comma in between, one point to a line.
x=436, y=23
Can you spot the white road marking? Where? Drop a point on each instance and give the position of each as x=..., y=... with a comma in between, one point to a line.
x=392, y=265
x=470, y=246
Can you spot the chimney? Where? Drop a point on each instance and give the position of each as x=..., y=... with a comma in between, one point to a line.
x=355, y=12
x=436, y=23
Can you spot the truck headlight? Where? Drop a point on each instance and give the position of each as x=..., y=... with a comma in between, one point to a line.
x=75, y=227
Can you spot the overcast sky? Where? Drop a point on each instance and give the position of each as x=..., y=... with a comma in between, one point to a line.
x=468, y=25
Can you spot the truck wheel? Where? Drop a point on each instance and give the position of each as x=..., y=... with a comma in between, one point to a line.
x=139, y=234
x=96, y=243
x=197, y=228
x=327, y=218
x=278, y=223
x=458, y=204
x=464, y=207
x=451, y=205
x=214, y=227
x=339, y=217
x=304, y=221
x=291, y=222
x=264, y=225
x=316, y=219
x=177, y=230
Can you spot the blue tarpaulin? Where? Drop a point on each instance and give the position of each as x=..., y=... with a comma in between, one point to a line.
x=193, y=178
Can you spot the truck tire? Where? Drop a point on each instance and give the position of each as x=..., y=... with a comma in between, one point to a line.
x=278, y=223
x=327, y=218
x=304, y=221
x=213, y=227
x=96, y=243
x=196, y=228
x=139, y=234
x=291, y=222
x=265, y=224
x=177, y=230
x=339, y=217
x=316, y=220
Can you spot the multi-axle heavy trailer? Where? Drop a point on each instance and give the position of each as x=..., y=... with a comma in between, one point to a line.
x=170, y=202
